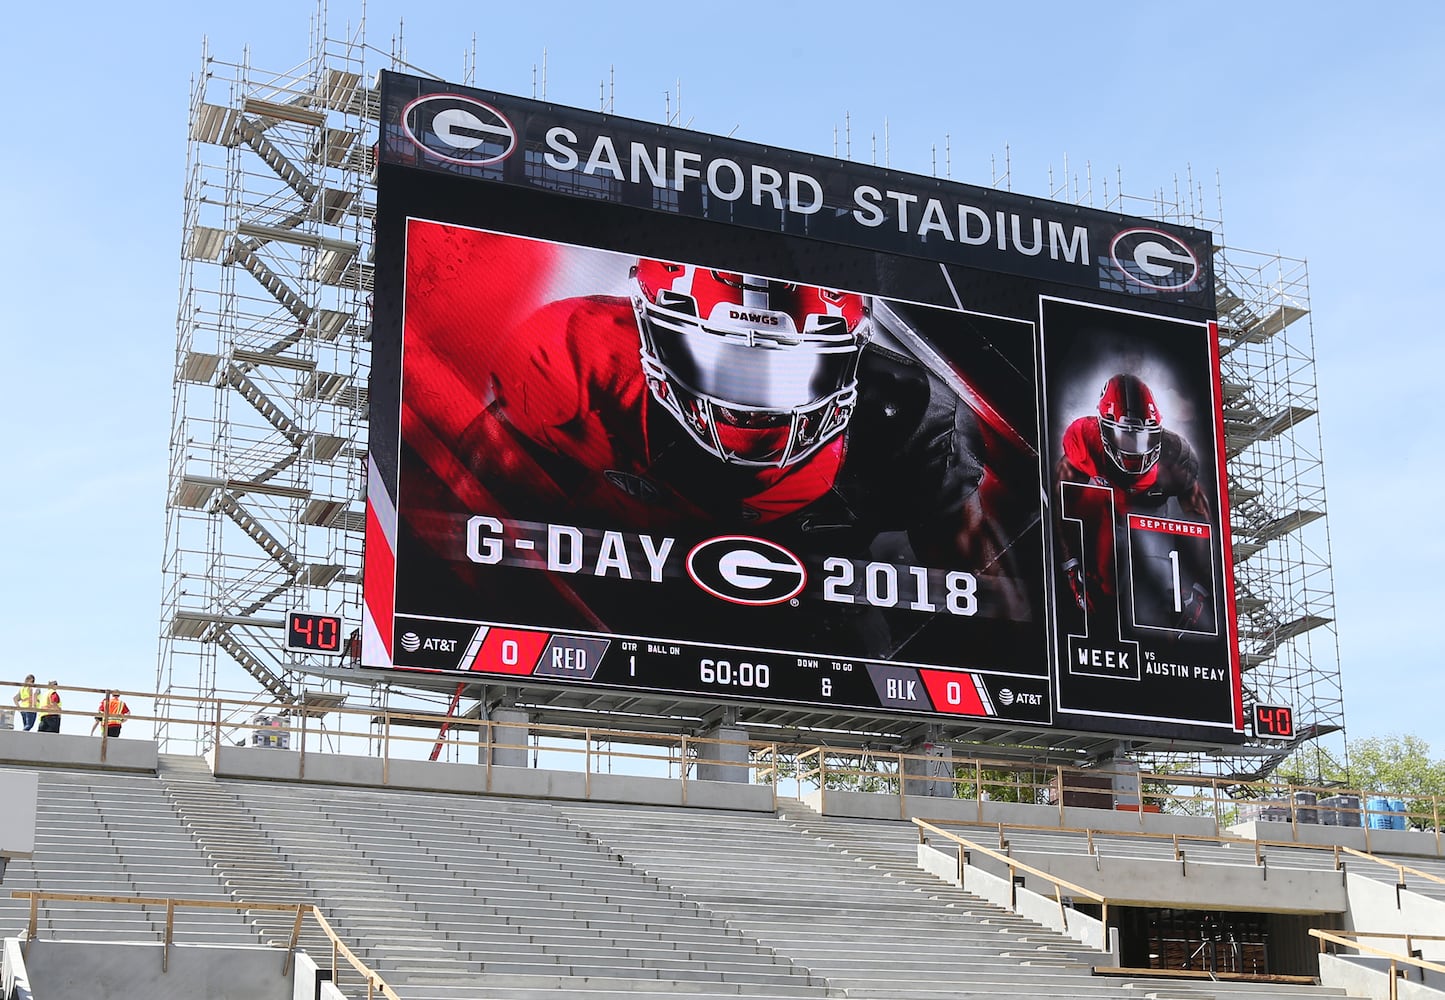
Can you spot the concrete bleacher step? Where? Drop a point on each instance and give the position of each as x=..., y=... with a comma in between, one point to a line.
x=560, y=891
x=827, y=917
x=550, y=986
x=561, y=934
x=542, y=918
x=585, y=966
x=113, y=834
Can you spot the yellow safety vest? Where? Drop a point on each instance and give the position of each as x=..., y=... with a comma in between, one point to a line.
x=51, y=704
x=27, y=698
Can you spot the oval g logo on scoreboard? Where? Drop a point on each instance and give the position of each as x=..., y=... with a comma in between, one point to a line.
x=459, y=129
x=745, y=570
x=1154, y=259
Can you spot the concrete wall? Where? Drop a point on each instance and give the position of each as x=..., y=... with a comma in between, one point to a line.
x=64, y=750
x=1196, y=885
x=871, y=805
x=1406, y=842
x=538, y=783
x=1376, y=906
x=1163, y=881
x=438, y=776
x=105, y=971
x=1362, y=976
x=311, y=982
x=14, y=978
x=19, y=791
x=1039, y=907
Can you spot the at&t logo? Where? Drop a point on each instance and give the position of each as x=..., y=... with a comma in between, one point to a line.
x=745, y=570
x=459, y=129
x=411, y=642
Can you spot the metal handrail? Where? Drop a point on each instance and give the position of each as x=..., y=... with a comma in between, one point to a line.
x=1255, y=844
x=374, y=982
x=1015, y=866
x=1394, y=864
x=1396, y=960
x=216, y=719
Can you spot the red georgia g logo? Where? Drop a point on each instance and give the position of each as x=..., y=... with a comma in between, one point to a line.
x=458, y=129
x=745, y=570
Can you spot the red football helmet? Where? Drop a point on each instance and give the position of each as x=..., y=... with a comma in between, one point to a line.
x=1129, y=424
x=759, y=372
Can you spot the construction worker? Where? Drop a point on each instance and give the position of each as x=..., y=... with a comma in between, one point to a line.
x=50, y=710
x=112, y=712
x=27, y=698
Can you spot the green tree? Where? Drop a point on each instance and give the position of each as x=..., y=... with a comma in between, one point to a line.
x=1393, y=764
x=1400, y=765
x=1005, y=784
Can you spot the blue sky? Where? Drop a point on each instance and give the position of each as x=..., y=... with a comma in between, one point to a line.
x=1324, y=124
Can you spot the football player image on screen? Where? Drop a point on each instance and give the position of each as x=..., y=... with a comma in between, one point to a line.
x=1143, y=468
x=706, y=403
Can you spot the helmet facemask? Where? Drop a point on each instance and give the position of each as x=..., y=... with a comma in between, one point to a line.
x=758, y=372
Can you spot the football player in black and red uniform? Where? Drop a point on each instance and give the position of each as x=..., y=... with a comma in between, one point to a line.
x=711, y=401
x=753, y=402
x=1125, y=447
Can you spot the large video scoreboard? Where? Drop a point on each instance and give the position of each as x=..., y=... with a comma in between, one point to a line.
x=659, y=411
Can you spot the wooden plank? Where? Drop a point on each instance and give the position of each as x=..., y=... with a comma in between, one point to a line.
x=1116, y=970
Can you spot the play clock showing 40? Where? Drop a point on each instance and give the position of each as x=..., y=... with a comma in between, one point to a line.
x=312, y=633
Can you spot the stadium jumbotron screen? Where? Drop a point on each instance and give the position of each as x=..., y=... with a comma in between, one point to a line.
x=658, y=411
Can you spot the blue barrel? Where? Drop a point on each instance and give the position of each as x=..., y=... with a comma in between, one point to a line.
x=1378, y=806
x=1398, y=822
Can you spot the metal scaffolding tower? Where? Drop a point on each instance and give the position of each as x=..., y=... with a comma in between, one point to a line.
x=1284, y=582
x=265, y=508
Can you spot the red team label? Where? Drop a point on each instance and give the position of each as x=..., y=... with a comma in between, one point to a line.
x=510, y=651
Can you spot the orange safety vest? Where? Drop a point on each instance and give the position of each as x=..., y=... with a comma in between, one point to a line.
x=114, y=710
